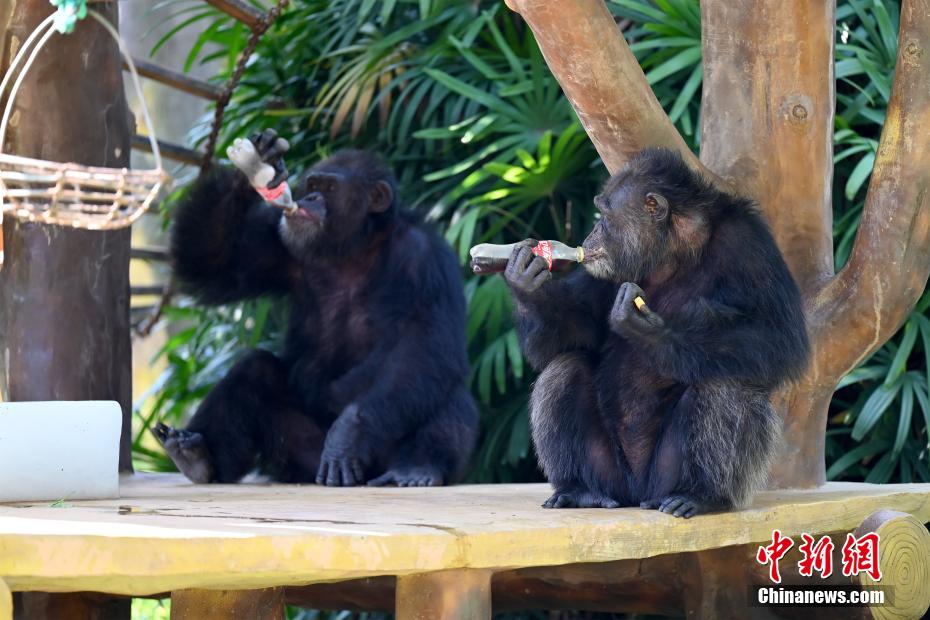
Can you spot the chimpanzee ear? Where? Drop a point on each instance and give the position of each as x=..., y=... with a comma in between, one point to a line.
x=657, y=206
x=382, y=196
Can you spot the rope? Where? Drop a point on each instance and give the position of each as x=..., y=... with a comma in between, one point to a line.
x=144, y=327
x=260, y=28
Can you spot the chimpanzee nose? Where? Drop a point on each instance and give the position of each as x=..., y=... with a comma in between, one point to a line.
x=313, y=197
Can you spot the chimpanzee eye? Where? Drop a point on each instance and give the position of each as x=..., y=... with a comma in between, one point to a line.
x=651, y=201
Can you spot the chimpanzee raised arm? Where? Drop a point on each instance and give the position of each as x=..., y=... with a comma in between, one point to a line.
x=371, y=386
x=225, y=244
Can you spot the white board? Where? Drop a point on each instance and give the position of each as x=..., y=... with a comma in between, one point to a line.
x=59, y=450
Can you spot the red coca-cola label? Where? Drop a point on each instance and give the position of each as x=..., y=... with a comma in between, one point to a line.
x=544, y=249
x=271, y=194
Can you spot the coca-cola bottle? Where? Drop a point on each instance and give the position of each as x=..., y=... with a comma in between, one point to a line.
x=492, y=258
x=243, y=154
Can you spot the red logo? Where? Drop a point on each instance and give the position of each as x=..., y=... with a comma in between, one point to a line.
x=771, y=554
x=817, y=557
x=860, y=555
x=544, y=249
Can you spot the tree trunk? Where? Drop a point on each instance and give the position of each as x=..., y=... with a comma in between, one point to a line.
x=64, y=293
x=767, y=133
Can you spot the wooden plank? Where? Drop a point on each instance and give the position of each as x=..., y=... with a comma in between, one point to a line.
x=245, y=13
x=176, y=80
x=444, y=595
x=165, y=533
x=168, y=150
x=6, y=602
x=266, y=604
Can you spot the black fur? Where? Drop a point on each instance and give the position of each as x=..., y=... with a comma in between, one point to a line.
x=666, y=406
x=375, y=358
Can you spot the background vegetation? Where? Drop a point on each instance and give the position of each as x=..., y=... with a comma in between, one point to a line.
x=457, y=96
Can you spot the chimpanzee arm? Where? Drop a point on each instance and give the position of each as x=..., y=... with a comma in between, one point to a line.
x=565, y=314
x=225, y=244
x=419, y=362
x=756, y=337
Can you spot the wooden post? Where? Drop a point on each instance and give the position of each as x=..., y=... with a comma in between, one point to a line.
x=444, y=595
x=265, y=604
x=64, y=293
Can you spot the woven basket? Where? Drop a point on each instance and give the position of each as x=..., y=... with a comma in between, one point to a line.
x=70, y=194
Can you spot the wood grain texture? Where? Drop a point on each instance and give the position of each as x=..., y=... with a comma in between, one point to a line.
x=767, y=118
x=171, y=534
x=904, y=558
x=266, y=604
x=444, y=595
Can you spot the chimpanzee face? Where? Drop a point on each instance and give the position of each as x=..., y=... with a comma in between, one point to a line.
x=335, y=201
x=632, y=232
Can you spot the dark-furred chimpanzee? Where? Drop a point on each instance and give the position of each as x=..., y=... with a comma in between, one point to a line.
x=664, y=405
x=371, y=385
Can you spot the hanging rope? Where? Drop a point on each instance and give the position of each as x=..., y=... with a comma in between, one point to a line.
x=144, y=327
x=260, y=28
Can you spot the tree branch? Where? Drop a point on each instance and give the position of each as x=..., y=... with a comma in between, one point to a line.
x=588, y=55
x=890, y=261
x=767, y=118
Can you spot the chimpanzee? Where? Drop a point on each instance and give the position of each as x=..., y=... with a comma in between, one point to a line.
x=371, y=385
x=664, y=404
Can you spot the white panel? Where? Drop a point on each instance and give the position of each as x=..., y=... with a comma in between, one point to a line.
x=59, y=450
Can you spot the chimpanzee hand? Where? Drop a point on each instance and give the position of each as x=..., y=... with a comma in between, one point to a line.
x=526, y=272
x=271, y=148
x=628, y=320
x=346, y=451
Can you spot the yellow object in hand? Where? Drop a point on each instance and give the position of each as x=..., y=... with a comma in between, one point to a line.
x=640, y=302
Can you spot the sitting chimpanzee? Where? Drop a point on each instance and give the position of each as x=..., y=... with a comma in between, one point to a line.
x=371, y=386
x=664, y=405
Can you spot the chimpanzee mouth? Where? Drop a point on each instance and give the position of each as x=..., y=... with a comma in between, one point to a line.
x=313, y=210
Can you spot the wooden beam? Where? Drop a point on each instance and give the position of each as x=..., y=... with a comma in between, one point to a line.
x=168, y=150
x=154, y=289
x=245, y=13
x=267, y=604
x=887, y=270
x=904, y=558
x=444, y=595
x=587, y=54
x=158, y=255
x=176, y=80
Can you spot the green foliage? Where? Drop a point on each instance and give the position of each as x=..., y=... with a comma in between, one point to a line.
x=457, y=96
x=150, y=609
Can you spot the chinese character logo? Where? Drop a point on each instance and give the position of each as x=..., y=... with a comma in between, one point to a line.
x=860, y=555
x=771, y=554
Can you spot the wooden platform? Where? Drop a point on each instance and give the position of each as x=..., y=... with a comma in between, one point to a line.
x=166, y=534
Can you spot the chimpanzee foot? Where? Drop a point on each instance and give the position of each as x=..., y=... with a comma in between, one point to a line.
x=679, y=505
x=577, y=498
x=188, y=451
x=409, y=477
